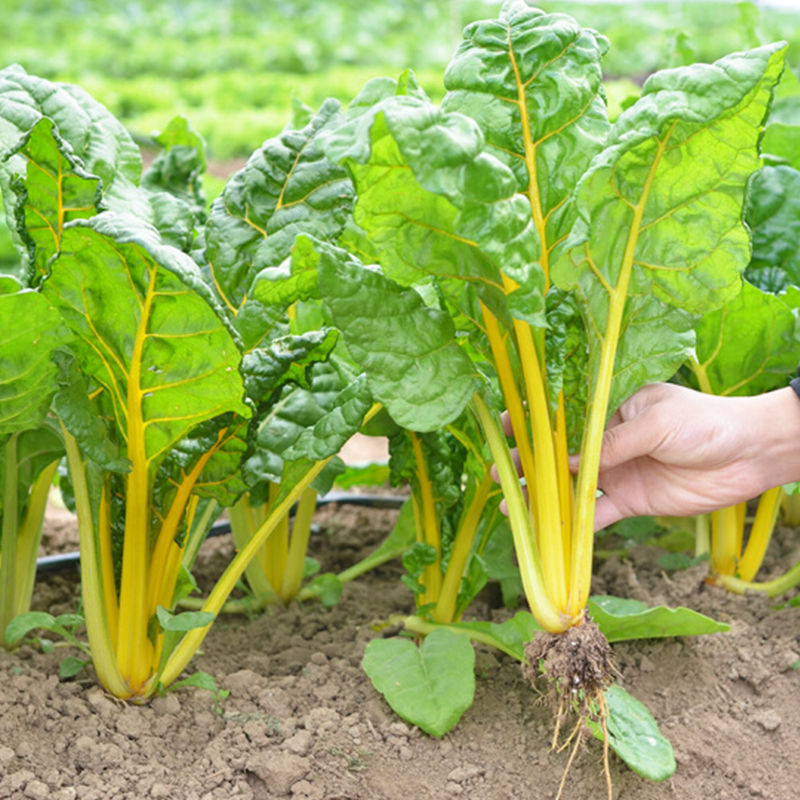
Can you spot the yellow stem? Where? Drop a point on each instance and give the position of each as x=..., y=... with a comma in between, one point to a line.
x=513, y=402
x=301, y=533
x=134, y=648
x=566, y=490
x=445, y=610
x=30, y=535
x=95, y=610
x=276, y=548
x=432, y=575
x=547, y=614
x=760, y=534
x=724, y=541
x=106, y=556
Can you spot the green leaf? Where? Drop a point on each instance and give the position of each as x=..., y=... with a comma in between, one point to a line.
x=32, y=330
x=54, y=190
x=288, y=186
x=430, y=686
x=183, y=622
x=179, y=167
x=328, y=588
x=71, y=666
x=622, y=619
x=634, y=736
x=200, y=680
x=413, y=362
x=532, y=82
x=147, y=332
x=676, y=216
x=747, y=346
x=509, y=636
x=773, y=214
x=26, y=623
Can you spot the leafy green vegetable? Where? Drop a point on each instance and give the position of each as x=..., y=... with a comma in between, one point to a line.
x=430, y=686
x=622, y=619
x=634, y=736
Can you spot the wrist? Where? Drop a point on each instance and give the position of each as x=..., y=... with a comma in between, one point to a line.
x=776, y=437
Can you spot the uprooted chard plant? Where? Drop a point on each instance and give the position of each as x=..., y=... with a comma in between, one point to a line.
x=552, y=265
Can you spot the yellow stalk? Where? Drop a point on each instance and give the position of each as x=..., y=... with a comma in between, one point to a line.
x=301, y=533
x=586, y=491
x=30, y=534
x=276, y=548
x=548, y=506
x=165, y=543
x=107, y=563
x=566, y=491
x=134, y=649
x=241, y=518
x=547, y=614
x=92, y=581
x=760, y=534
x=462, y=546
x=432, y=579
x=513, y=402
x=724, y=540
x=10, y=523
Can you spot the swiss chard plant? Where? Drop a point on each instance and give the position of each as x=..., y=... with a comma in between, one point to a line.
x=163, y=373
x=534, y=258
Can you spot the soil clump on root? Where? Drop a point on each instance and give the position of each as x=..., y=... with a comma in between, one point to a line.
x=577, y=666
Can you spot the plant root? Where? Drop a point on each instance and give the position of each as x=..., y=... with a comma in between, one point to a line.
x=578, y=667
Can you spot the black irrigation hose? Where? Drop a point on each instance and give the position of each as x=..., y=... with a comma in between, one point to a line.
x=64, y=561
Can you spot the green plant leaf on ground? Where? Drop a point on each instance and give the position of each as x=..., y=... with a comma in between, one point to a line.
x=621, y=619
x=430, y=686
x=634, y=736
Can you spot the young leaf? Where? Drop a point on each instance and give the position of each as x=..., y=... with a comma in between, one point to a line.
x=622, y=619
x=430, y=686
x=635, y=737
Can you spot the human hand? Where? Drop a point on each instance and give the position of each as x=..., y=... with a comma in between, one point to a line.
x=669, y=450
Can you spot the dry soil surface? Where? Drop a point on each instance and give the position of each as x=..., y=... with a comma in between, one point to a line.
x=302, y=721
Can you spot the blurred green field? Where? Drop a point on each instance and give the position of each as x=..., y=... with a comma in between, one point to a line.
x=233, y=66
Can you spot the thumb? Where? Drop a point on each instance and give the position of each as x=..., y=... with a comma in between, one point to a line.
x=634, y=438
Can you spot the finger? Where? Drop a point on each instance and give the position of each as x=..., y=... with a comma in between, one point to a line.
x=505, y=421
x=632, y=439
x=606, y=513
x=504, y=505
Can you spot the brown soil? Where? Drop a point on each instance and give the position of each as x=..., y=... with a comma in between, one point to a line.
x=302, y=721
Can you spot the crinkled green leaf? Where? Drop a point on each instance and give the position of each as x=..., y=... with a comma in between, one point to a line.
x=433, y=201
x=179, y=167
x=430, y=686
x=781, y=140
x=99, y=144
x=621, y=619
x=285, y=359
x=773, y=214
x=634, y=736
x=532, y=82
x=409, y=351
x=146, y=331
x=655, y=216
x=287, y=187
x=749, y=345
x=53, y=190
x=32, y=330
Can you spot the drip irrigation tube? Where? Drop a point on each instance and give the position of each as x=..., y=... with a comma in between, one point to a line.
x=71, y=560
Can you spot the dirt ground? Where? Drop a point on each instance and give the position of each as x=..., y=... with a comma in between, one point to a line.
x=302, y=721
